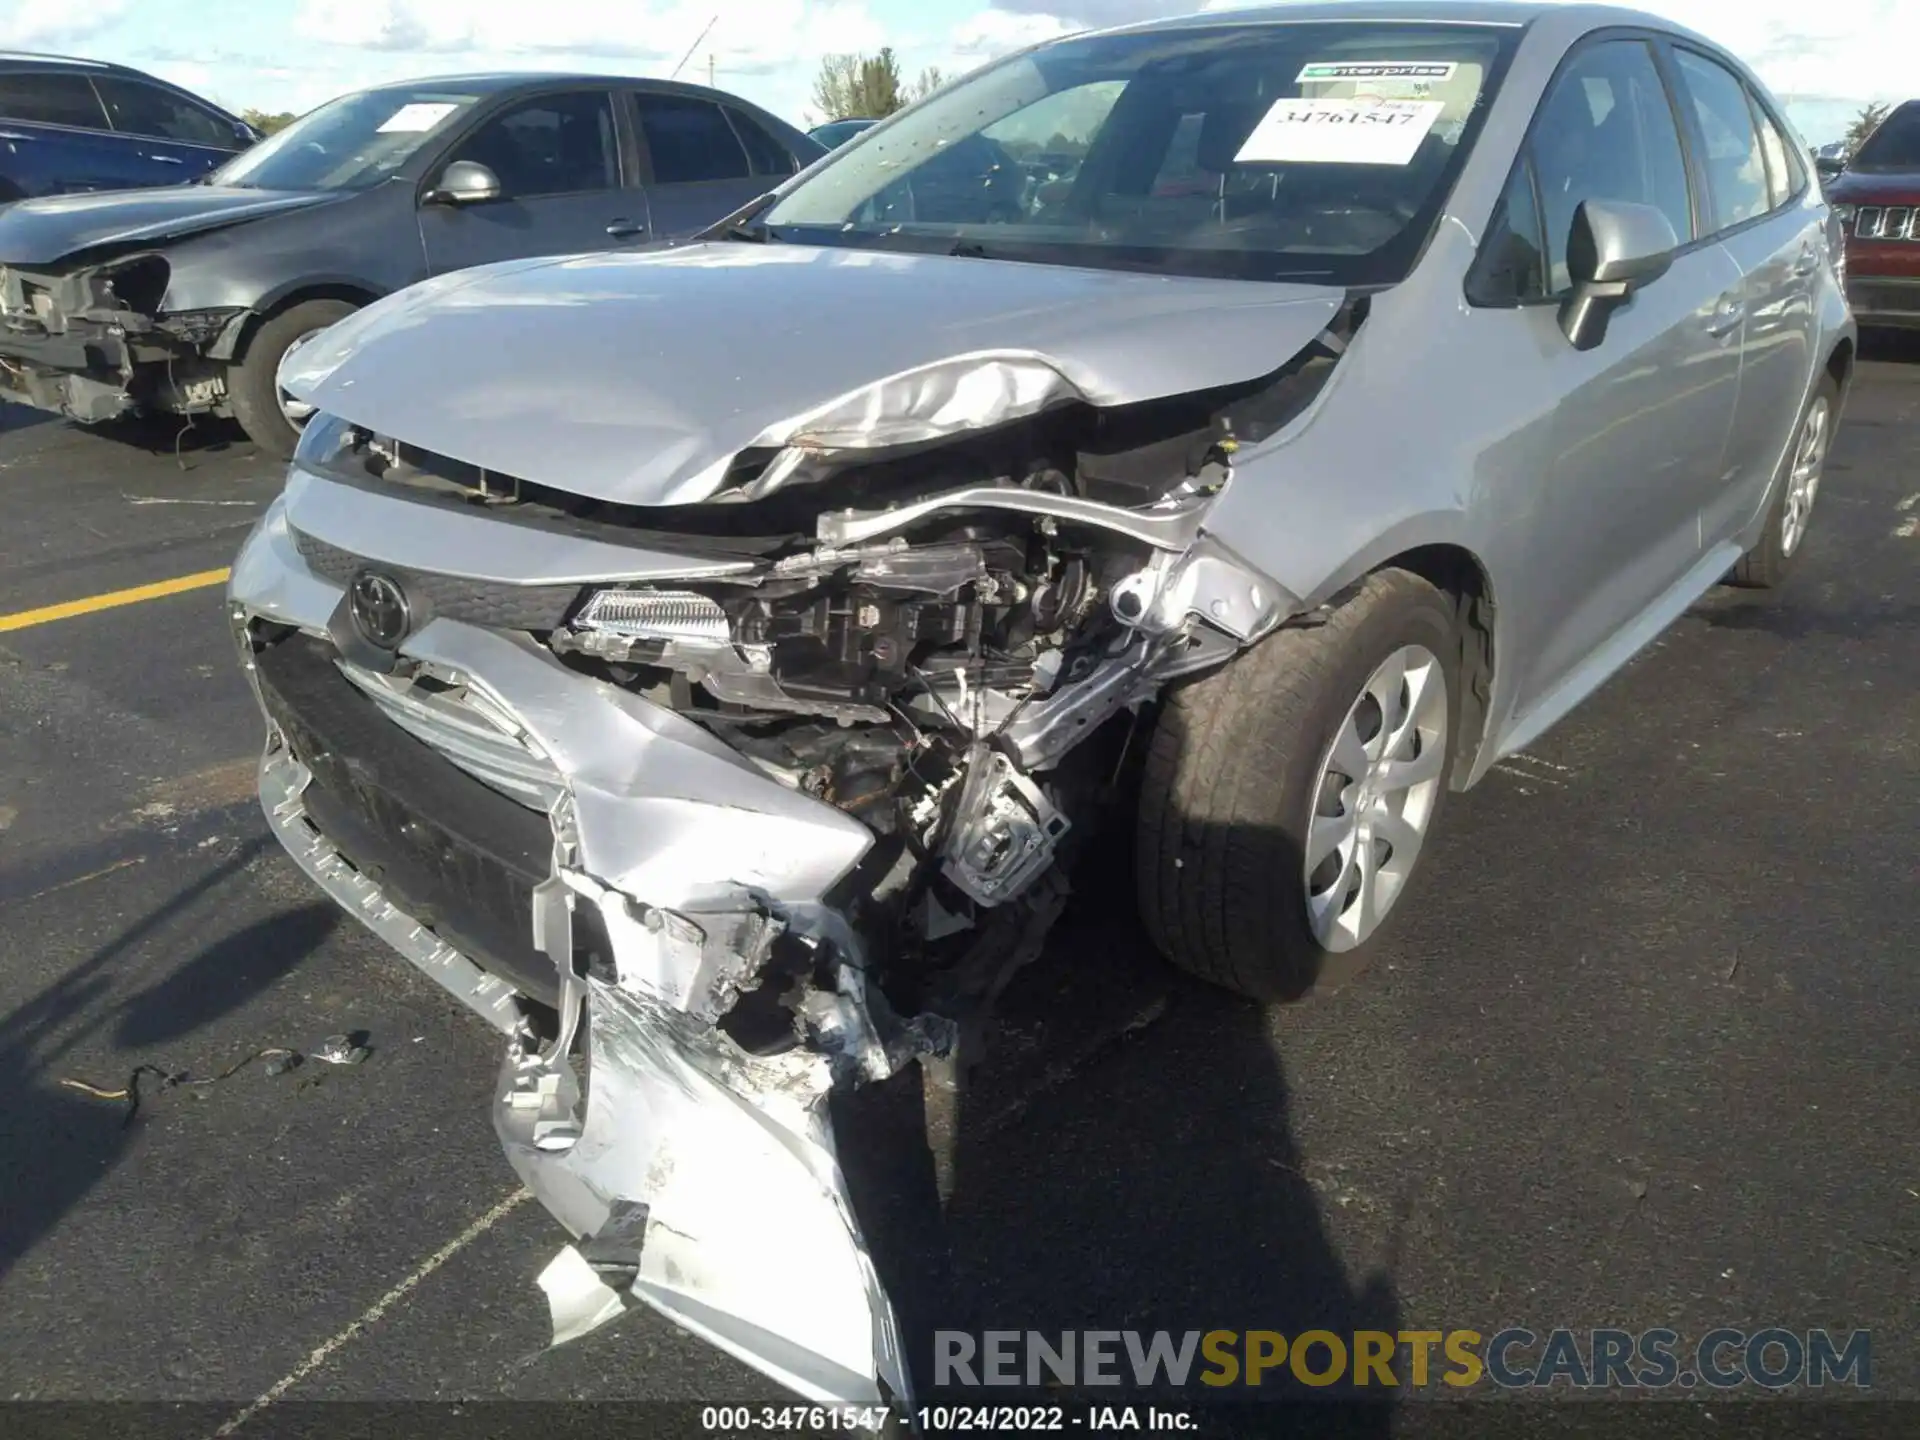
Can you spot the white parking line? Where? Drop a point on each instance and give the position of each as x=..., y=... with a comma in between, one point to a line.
x=1526, y=759
x=373, y=1313
x=1534, y=769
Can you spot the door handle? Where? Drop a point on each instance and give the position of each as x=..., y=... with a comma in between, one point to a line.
x=1807, y=262
x=166, y=159
x=16, y=135
x=1726, y=318
x=625, y=229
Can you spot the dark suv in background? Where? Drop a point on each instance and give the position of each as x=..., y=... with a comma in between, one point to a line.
x=68, y=125
x=184, y=300
x=1877, y=198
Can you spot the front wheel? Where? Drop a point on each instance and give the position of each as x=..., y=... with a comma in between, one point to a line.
x=273, y=419
x=1288, y=797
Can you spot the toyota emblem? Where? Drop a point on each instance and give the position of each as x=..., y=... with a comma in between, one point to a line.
x=379, y=609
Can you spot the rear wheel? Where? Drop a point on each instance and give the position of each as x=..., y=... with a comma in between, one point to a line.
x=1767, y=564
x=1288, y=798
x=272, y=418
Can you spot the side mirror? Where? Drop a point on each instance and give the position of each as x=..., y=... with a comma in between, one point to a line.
x=465, y=182
x=1828, y=166
x=246, y=134
x=1613, y=249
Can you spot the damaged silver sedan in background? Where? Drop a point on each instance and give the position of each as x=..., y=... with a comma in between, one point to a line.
x=706, y=663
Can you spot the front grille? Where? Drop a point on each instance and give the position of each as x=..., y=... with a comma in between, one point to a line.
x=459, y=857
x=1887, y=222
x=486, y=603
x=468, y=730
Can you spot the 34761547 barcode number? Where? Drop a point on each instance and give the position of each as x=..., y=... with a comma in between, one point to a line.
x=845, y=1419
x=873, y=1419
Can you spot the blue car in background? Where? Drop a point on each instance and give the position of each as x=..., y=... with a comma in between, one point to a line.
x=74, y=125
x=836, y=133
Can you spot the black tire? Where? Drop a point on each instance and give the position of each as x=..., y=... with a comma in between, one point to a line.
x=1769, y=562
x=251, y=391
x=1226, y=797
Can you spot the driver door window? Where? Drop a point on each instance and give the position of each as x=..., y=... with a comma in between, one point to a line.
x=556, y=145
x=557, y=158
x=1607, y=132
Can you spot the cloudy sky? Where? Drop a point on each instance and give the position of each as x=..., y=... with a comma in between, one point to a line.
x=1824, y=57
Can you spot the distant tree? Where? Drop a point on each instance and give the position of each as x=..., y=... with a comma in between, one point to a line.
x=931, y=79
x=851, y=87
x=834, y=86
x=266, y=123
x=1864, y=124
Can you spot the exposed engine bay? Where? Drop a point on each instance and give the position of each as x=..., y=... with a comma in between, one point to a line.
x=753, y=776
x=932, y=668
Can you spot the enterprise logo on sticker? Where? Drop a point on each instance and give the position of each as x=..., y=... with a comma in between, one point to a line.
x=1324, y=70
x=1357, y=131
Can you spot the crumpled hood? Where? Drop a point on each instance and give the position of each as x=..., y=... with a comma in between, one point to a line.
x=637, y=377
x=41, y=232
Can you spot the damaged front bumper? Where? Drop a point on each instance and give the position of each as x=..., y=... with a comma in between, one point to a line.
x=693, y=1162
x=90, y=344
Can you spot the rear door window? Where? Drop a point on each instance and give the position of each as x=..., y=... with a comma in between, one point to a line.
x=1784, y=174
x=690, y=140
x=768, y=155
x=137, y=108
x=51, y=100
x=1735, y=161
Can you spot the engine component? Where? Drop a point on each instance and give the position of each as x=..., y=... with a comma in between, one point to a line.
x=1004, y=830
x=1208, y=581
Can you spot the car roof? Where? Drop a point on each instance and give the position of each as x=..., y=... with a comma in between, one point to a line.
x=34, y=60
x=1453, y=12
x=494, y=82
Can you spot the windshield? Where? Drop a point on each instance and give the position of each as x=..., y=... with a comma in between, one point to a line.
x=351, y=143
x=1317, y=151
x=1895, y=145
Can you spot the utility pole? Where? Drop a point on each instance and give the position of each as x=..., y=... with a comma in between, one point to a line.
x=695, y=46
x=709, y=69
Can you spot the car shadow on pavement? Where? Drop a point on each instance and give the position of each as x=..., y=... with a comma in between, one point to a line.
x=1123, y=1160
x=21, y=417
x=172, y=435
x=64, y=1140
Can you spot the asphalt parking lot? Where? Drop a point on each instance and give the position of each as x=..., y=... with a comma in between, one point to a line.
x=1647, y=1055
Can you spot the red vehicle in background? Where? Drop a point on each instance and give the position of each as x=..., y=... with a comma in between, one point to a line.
x=1877, y=199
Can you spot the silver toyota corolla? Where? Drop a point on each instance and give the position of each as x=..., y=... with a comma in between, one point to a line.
x=705, y=662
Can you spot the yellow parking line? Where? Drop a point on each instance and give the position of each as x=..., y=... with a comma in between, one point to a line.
x=21, y=619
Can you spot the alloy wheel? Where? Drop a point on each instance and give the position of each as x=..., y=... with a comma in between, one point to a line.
x=1375, y=795
x=1803, y=480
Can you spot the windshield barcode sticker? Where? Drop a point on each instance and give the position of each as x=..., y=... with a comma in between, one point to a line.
x=412, y=119
x=1325, y=70
x=1340, y=132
